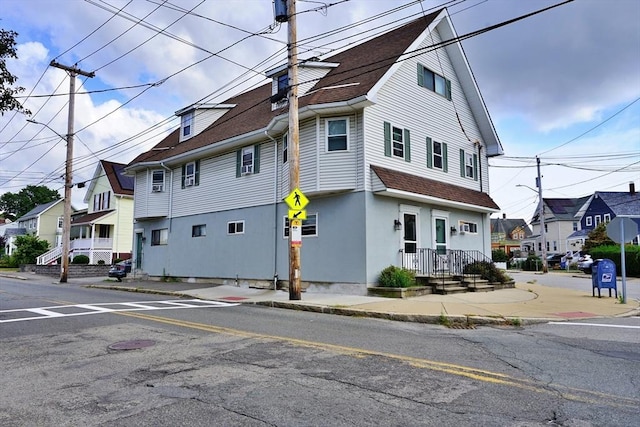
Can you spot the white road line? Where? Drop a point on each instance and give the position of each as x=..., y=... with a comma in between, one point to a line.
x=604, y=325
x=109, y=307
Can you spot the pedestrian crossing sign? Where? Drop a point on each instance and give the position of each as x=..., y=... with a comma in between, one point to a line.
x=296, y=200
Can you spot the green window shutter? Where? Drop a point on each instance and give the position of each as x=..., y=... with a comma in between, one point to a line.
x=448, y=89
x=197, y=172
x=429, y=153
x=238, y=162
x=462, y=174
x=407, y=146
x=387, y=139
x=445, y=162
x=420, y=75
x=475, y=167
x=184, y=171
x=256, y=158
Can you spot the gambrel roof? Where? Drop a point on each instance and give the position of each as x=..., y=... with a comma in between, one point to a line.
x=354, y=82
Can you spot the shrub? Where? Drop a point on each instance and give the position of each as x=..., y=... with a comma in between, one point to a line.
x=632, y=258
x=101, y=262
x=28, y=248
x=80, y=259
x=488, y=271
x=499, y=255
x=532, y=263
x=396, y=277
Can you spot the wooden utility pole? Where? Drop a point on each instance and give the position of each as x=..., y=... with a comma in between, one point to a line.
x=294, y=145
x=68, y=172
x=543, y=233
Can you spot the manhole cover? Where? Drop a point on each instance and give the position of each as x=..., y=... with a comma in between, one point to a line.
x=131, y=345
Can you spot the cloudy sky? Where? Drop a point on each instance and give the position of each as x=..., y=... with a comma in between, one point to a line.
x=563, y=84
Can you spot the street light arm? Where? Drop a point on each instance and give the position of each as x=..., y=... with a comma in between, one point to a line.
x=48, y=127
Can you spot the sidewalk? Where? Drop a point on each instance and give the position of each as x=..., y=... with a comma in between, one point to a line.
x=525, y=304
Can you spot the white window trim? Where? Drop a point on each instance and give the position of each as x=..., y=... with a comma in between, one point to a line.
x=607, y=218
x=433, y=154
x=201, y=227
x=187, y=119
x=404, y=146
x=588, y=221
x=285, y=227
x=190, y=178
x=597, y=220
x=247, y=169
x=326, y=134
x=285, y=148
x=468, y=163
x=467, y=227
x=236, y=223
x=157, y=187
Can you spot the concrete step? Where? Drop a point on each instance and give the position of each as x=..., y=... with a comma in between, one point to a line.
x=450, y=290
x=480, y=288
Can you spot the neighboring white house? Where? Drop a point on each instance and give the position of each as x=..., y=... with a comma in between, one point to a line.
x=394, y=146
x=10, y=231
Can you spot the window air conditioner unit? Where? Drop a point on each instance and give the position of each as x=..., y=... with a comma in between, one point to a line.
x=189, y=181
x=464, y=228
x=247, y=169
x=156, y=188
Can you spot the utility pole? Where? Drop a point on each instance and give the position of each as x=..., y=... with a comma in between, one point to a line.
x=294, y=145
x=68, y=172
x=543, y=233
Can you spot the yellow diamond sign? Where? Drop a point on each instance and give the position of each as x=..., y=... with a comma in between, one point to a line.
x=296, y=200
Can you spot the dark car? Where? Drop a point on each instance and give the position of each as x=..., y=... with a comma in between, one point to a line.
x=120, y=270
x=554, y=260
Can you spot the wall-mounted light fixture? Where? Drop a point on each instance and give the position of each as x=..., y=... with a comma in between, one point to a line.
x=397, y=225
x=454, y=230
x=144, y=239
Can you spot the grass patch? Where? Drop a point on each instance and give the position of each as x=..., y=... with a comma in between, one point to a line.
x=444, y=320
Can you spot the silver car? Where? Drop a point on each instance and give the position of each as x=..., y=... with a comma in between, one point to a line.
x=584, y=263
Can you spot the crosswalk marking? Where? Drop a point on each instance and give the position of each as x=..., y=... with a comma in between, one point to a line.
x=23, y=314
x=604, y=325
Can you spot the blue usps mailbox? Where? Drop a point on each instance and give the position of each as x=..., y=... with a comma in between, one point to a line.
x=604, y=276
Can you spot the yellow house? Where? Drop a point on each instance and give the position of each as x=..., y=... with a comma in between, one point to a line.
x=105, y=232
x=45, y=221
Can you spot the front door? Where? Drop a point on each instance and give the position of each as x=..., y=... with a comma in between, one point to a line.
x=440, y=243
x=138, y=251
x=410, y=238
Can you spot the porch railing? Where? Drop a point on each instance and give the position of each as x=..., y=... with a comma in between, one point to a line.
x=440, y=265
x=86, y=244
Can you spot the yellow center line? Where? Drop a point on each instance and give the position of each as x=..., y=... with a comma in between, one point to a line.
x=579, y=395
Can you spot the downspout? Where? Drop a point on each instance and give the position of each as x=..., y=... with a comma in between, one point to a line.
x=275, y=211
x=479, y=162
x=170, y=193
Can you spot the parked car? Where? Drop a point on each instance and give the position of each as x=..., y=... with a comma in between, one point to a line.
x=585, y=263
x=120, y=270
x=554, y=260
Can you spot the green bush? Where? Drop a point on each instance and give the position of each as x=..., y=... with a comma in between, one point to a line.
x=396, y=277
x=488, y=271
x=80, y=259
x=29, y=248
x=532, y=263
x=499, y=255
x=632, y=257
x=9, y=262
x=101, y=262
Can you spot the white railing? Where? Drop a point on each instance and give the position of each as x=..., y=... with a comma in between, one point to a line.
x=47, y=257
x=87, y=244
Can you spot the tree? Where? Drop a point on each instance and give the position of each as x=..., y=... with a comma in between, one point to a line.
x=28, y=248
x=8, y=102
x=598, y=237
x=15, y=205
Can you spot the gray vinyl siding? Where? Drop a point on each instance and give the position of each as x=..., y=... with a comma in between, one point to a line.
x=146, y=203
x=219, y=188
x=204, y=117
x=308, y=156
x=404, y=104
x=338, y=169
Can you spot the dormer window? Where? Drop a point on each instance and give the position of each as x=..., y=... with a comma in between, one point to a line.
x=186, y=125
x=283, y=82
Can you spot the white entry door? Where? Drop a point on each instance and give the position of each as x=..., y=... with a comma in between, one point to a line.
x=410, y=237
x=441, y=244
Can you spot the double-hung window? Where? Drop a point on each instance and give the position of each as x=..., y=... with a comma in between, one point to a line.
x=191, y=174
x=199, y=230
x=434, y=82
x=337, y=136
x=248, y=160
x=437, y=155
x=588, y=221
x=157, y=181
x=397, y=142
x=186, y=125
x=285, y=148
x=468, y=165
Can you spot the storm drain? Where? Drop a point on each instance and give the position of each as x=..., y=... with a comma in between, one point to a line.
x=131, y=345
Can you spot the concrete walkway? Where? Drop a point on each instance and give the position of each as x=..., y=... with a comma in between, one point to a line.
x=524, y=304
